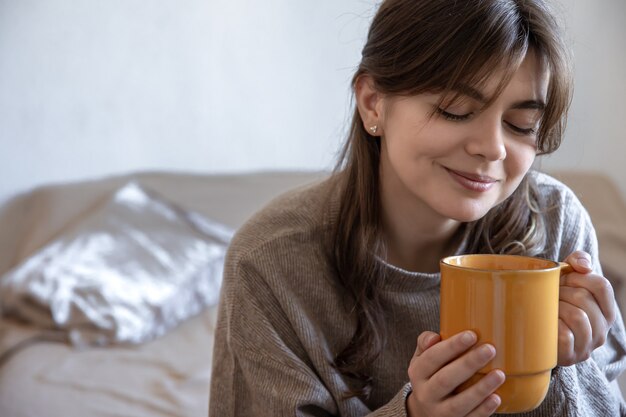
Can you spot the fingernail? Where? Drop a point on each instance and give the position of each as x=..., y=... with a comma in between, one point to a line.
x=495, y=401
x=487, y=351
x=468, y=338
x=495, y=378
x=584, y=262
x=501, y=375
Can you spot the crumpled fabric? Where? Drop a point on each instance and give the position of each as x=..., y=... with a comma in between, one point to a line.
x=126, y=273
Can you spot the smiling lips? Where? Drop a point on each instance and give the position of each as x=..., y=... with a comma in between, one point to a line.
x=472, y=182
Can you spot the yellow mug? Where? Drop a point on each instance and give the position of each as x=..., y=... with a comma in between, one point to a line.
x=511, y=302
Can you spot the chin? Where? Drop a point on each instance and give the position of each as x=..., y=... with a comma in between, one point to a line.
x=467, y=218
x=466, y=214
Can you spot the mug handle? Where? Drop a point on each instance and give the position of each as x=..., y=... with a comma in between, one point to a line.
x=565, y=268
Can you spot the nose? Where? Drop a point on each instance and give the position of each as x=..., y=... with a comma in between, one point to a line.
x=487, y=142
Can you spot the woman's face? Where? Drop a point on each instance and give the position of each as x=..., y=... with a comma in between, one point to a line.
x=467, y=158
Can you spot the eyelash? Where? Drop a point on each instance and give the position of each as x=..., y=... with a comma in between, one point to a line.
x=453, y=117
x=527, y=132
x=461, y=117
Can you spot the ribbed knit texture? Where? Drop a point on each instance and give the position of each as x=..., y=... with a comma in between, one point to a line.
x=283, y=318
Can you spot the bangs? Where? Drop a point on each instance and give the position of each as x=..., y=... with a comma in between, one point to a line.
x=494, y=39
x=446, y=47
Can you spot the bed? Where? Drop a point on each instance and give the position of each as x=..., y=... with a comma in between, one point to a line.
x=45, y=374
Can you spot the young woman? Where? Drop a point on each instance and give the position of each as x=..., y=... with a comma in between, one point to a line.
x=330, y=300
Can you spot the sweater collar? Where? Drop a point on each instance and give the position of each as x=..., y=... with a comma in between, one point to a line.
x=399, y=279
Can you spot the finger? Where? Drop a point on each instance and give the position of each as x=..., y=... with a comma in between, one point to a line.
x=580, y=261
x=448, y=378
x=478, y=398
x=487, y=407
x=581, y=299
x=425, y=340
x=578, y=323
x=566, y=353
x=599, y=287
x=433, y=359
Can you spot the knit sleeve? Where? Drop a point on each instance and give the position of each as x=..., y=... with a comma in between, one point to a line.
x=586, y=385
x=579, y=234
x=260, y=366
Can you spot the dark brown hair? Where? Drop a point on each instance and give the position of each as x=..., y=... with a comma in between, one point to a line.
x=417, y=46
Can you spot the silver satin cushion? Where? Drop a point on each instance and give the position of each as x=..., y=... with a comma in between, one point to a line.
x=126, y=273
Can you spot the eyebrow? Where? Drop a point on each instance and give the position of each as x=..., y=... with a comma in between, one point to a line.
x=529, y=104
x=520, y=105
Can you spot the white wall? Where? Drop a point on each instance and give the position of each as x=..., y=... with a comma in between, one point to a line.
x=596, y=135
x=91, y=88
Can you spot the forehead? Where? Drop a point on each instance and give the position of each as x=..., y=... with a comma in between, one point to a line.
x=529, y=80
x=532, y=69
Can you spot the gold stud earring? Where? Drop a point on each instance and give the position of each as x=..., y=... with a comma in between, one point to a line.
x=373, y=129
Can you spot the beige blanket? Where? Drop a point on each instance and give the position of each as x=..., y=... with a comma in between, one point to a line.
x=170, y=375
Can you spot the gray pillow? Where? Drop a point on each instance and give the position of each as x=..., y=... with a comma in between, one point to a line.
x=126, y=273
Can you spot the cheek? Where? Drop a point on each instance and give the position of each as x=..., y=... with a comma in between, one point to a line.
x=412, y=130
x=425, y=142
x=520, y=159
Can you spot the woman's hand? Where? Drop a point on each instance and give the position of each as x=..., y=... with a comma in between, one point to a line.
x=586, y=310
x=439, y=367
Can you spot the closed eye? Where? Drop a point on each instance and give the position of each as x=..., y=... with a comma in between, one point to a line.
x=452, y=116
x=522, y=131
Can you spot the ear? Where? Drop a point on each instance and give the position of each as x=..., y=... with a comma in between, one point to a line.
x=370, y=104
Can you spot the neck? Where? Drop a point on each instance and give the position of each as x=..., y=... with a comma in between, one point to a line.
x=416, y=236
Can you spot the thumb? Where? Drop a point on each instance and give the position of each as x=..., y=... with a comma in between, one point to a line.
x=580, y=261
x=426, y=340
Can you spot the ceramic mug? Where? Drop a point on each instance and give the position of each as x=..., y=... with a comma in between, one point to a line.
x=511, y=302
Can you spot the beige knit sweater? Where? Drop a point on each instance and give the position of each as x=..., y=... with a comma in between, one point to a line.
x=283, y=317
